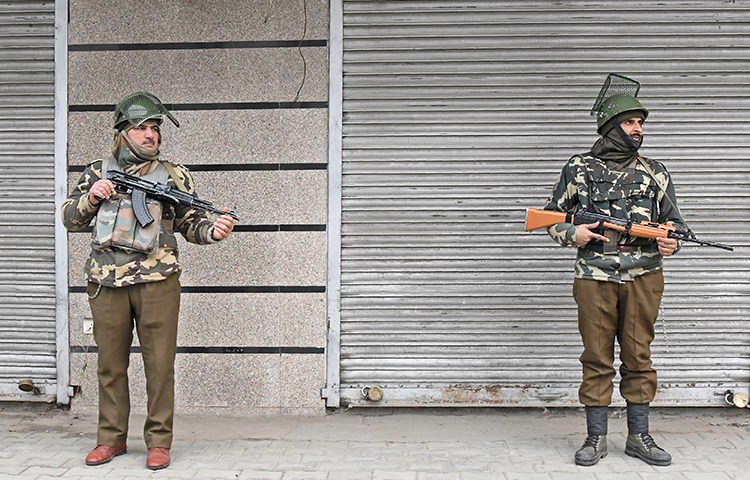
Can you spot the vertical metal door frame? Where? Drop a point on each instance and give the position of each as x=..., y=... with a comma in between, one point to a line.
x=335, y=140
x=61, y=188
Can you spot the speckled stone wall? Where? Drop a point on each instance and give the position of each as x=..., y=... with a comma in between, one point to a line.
x=248, y=82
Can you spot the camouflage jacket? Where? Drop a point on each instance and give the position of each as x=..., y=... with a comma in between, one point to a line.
x=113, y=267
x=630, y=193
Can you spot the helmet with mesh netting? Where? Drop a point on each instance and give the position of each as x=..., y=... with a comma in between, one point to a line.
x=616, y=97
x=137, y=107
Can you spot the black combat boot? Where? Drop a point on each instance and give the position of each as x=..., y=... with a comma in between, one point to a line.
x=640, y=444
x=595, y=445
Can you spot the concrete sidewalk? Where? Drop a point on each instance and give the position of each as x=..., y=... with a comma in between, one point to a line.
x=42, y=442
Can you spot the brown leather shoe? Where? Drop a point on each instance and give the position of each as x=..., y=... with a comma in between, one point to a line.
x=104, y=453
x=157, y=458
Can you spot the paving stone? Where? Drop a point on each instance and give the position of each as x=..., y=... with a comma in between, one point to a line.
x=441, y=444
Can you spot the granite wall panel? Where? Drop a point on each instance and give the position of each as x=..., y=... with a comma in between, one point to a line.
x=216, y=137
x=248, y=82
x=107, y=21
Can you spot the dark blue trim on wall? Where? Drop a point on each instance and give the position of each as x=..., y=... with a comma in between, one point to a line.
x=97, y=107
x=280, y=228
x=234, y=289
x=258, y=228
x=221, y=350
x=238, y=167
x=256, y=289
x=114, y=47
x=256, y=166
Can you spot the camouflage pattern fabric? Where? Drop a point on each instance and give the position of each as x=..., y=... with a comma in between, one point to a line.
x=115, y=267
x=629, y=193
x=117, y=226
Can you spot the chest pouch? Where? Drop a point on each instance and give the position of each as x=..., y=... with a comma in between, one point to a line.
x=117, y=227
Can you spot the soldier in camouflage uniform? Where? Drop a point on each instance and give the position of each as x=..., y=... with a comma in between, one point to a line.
x=618, y=281
x=133, y=275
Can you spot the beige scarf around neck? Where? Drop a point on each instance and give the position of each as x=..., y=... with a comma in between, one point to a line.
x=133, y=159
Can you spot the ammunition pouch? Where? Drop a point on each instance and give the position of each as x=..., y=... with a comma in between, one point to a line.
x=117, y=226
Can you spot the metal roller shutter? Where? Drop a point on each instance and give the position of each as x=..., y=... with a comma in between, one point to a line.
x=27, y=204
x=457, y=115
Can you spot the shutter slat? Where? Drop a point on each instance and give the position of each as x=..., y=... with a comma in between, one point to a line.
x=27, y=207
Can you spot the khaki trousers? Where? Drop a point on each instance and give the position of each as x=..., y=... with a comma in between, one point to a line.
x=154, y=310
x=626, y=312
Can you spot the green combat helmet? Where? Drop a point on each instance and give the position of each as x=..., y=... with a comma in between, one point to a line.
x=138, y=107
x=616, y=97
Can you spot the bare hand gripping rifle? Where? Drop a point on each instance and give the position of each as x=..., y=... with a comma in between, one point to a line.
x=140, y=188
x=536, y=218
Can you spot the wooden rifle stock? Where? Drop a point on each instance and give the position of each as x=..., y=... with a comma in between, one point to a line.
x=536, y=218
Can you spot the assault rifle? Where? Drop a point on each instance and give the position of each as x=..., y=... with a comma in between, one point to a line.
x=140, y=188
x=536, y=218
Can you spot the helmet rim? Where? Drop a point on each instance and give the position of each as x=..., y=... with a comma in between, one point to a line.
x=138, y=107
x=616, y=105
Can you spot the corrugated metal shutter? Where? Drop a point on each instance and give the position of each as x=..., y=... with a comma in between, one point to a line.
x=27, y=207
x=457, y=115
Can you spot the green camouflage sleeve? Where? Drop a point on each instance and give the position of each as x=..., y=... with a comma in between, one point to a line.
x=77, y=211
x=564, y=198
x=193, y=224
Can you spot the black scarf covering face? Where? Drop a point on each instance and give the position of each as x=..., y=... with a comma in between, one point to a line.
x=616, y=147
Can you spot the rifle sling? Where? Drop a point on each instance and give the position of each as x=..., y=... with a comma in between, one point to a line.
x=651, y=172
x=173, y=173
